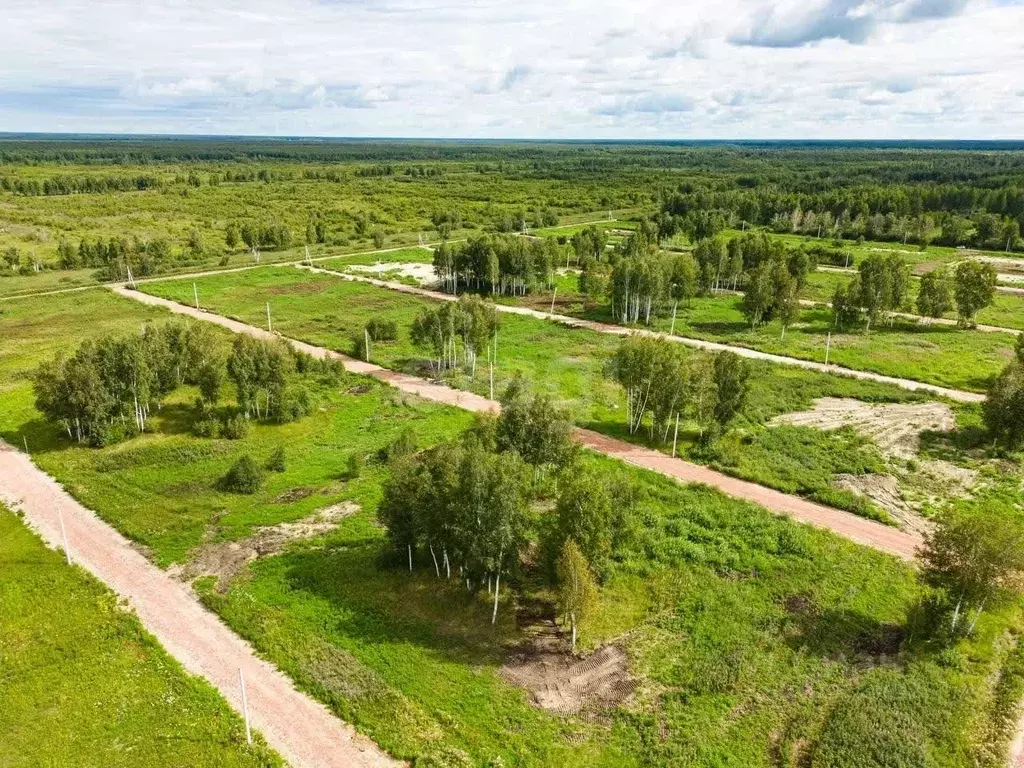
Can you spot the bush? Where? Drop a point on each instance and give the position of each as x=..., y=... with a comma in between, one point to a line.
x=382, y=330
x=208, y=427
x=110, y=434
x=295, y=406
x=276, y=462
x=403, y=445
x=236, y=427
x=355, y=465
x=245, y=476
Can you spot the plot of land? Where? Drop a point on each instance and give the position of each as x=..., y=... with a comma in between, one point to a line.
x=83, y=684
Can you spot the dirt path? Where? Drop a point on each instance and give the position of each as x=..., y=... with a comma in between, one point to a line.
x=303, y=731
x=714, y=346
x=858, y=529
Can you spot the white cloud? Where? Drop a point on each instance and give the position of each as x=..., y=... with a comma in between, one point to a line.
x=577, y=68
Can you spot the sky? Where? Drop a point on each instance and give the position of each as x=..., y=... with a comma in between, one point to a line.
x=702, y=69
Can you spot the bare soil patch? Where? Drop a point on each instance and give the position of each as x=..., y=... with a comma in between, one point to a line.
x=895, y=427
x=884, y=490
x=562, y=682
x=227, y=559
x=421, y=273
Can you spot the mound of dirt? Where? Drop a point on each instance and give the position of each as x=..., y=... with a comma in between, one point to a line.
x=895, y=427
x=568, y=685
x=227, y=559
x=562, y=682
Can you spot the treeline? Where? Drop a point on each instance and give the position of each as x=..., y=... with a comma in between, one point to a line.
x=497, y=264
x=642, y=282
x=108, y=388
x=962, y=214
x=70, y=185
x=115, y=256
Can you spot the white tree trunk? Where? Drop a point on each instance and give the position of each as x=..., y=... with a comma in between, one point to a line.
x=497, y=589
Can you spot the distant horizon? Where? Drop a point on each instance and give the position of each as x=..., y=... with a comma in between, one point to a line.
x=124, y=136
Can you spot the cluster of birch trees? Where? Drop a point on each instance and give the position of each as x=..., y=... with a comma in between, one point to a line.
x=502, y=264
x=642, y=282
x=456, y=332
x=672, y=384
x=107, y=389
x=466, y=503
x=881, y=289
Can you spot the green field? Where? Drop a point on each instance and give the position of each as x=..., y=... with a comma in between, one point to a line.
x=570, y=364
x=742, y=639
x=84, y=684
x=749, y=631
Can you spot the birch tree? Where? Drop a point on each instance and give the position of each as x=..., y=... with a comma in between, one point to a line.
x=577, y=591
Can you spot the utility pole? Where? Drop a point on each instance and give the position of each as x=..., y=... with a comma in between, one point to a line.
x=245, y=707
x=131, y=280
x=64, y=535
x=828, y=346
x=366, y=336
x=672, y=331
x=553, y=295
x=675, y=437
x=492, y=379
x=270, y=328
x=309, y=260
x=195, y=293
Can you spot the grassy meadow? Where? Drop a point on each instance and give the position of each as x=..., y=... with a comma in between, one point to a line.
x=570, y=364
x=84, y=684
x=752, y=640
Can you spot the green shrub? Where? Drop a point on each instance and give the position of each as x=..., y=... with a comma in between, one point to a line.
x=355, y=465
x=276, y=461
x=245, y=476
x=208, y=427
x=236, y=427
x=382, y=330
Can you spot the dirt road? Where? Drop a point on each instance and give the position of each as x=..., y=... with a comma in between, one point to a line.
x=714, y=346
x=303, y=731
x=858, y=529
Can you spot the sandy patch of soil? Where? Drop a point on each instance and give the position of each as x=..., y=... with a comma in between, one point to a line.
x=562, y=682
x=884, y=490
x=894, y=250
x=1002, y=264
x=895, y=427
x=421, y=273
x=227, y=559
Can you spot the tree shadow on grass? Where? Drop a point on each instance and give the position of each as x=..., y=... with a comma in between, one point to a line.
x=952, y=444
x=179, y=418
x=40, y=436
x=379, y=602
x=840, y=633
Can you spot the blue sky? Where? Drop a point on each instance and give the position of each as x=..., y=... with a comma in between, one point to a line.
x=572, y=69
